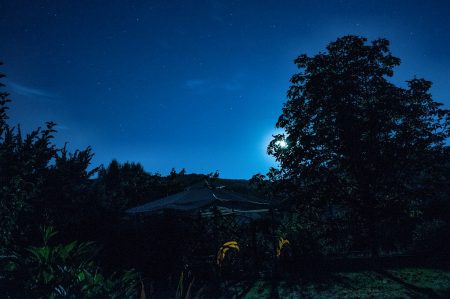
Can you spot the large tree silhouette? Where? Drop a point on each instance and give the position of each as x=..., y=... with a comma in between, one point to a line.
x=354, y=138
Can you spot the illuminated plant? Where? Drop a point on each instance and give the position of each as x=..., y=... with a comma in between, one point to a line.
x=224, y=249
x=281, y=244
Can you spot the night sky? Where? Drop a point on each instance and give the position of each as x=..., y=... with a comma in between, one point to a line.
x=193, y=84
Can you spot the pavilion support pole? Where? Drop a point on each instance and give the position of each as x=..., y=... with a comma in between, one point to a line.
x=255, y=246
x=274, y=240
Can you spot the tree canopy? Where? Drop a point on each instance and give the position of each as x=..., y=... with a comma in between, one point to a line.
x=356, y=139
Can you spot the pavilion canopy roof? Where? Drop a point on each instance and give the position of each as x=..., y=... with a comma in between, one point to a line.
x=201, y=198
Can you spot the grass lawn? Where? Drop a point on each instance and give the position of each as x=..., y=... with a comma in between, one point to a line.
x=396, y=283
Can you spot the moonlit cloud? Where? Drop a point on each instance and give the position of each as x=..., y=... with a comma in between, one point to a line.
x=195, y=83
x=236, y=82
x=29, y=91
x=61, y=127
x=198, y=86
x=203, y=85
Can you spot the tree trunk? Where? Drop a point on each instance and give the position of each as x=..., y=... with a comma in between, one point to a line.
x=374, y=246
x=370, y=207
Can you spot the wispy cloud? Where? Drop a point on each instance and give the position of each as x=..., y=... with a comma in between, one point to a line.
x=234, y=83
x=29, y=91
x=198, y=85
x=61, y=128
x=195, y=83
x=164, y=44
x=218, y=10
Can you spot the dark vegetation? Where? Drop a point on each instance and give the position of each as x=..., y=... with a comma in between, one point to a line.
x=363, y=186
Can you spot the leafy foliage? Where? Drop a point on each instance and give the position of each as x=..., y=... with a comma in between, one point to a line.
x=121, y=186
x=356, y=140
x=40, y=183
x=65, y=271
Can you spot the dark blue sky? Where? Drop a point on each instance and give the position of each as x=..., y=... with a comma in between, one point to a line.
x=194, y=84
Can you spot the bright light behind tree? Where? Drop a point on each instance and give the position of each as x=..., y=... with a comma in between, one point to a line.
x=282, y=143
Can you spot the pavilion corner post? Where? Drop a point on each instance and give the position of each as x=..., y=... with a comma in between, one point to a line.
x=254, y=247
x=274, y=240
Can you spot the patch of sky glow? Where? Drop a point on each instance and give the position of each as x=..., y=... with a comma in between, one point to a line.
x=265, y=143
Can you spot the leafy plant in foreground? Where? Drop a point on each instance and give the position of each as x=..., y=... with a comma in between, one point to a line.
x=65, y=271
